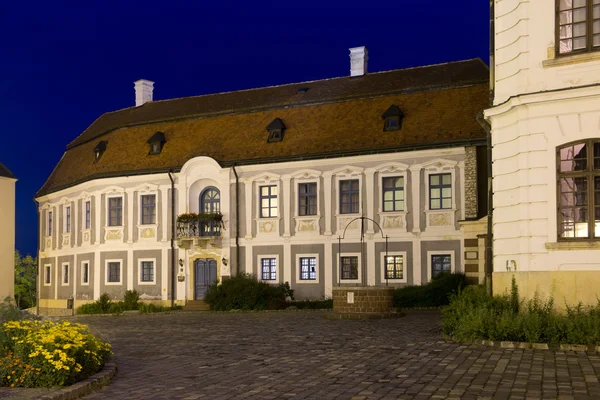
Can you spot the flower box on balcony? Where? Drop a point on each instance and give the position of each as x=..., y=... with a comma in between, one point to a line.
x=199, y=225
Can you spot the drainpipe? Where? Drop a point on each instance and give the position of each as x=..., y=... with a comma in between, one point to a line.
x=237, y=220
x=490, y=238
x=173, y=219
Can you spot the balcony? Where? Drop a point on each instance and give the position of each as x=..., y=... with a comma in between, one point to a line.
x=202, y=225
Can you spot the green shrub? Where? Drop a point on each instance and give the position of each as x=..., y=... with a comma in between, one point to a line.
x=473, y=314
x=9, y=311
x=131, y=300
x=245, y=292
x=435, y=294
x=146, y=308
x=312, y=304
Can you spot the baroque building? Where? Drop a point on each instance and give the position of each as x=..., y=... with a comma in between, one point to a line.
x=545, y=126
x=7, y=233
x=168, y=196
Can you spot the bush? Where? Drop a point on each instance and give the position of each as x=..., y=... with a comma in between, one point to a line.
x=105, y=306
x=151, y=308
x=245, y=292
x=473, y=314
x=131, y=300
x=45, y=354
x=435, y=294
x=312, y=304
x=9, y=311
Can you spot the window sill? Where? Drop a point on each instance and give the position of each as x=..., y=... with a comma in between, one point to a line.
x=584, y=245
x=571, y=59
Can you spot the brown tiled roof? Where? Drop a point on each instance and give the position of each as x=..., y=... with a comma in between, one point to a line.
x=334, y=117
x=5, y=172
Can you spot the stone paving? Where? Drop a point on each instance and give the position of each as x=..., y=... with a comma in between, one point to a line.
x=301, y=355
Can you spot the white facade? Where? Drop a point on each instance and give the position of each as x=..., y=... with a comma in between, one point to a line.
x=542, y=101
x=7, y=236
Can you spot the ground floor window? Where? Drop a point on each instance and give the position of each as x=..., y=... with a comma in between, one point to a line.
x=350, y=267
x=114, y=272
x=147, y=268
x=440, y=263
x=268, y=269
x=308, y=268
x=65, y=274
x=394, y=267
x=47, y=276
x=85, y=272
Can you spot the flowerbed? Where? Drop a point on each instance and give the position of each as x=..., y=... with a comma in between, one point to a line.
x=47, y=354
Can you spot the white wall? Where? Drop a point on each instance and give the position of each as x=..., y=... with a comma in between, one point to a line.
x=7, y=237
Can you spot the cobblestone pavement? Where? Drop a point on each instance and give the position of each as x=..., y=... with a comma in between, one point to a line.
x=301, y=355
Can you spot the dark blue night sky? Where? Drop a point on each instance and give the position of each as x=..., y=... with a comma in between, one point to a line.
x=63, y=64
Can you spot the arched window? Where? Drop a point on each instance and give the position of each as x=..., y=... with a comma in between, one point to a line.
x=578, y=187
x=210, y=203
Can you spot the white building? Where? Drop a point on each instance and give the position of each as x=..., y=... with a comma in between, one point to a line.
x=546, y=148
x=290, y=168
x=7, y=233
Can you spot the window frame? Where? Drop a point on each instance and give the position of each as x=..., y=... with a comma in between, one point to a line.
x=107, y=272
x=143, y=207
x=49, y=222
x=589, y=173
x=65, y=277
x=270, y=197
x=83, y=274
x=141, y=262
x=589, y=30
x=47, y=274
x=260, y=268
x=339, y=269
x=393, y=190
x=87, y=214
x=350, y=192
x=383, y=265
x=67, y=221
x=307, y=196
x=440, y=186
x=431, y=253
x=299, y=258
x=108, y=210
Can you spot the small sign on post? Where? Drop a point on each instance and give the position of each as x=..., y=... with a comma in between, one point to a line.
x=350, y=298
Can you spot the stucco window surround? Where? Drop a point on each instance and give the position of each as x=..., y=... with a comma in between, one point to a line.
x=299, y=271
x=395, y=220
x=383, y=265
x=65, y=277
x=85, y=273
x=146, y=232
x=65, y=217
x=437, y=253
x=47, y=275
x=115, y=232
x=141, y=272
x=339, y=268
x=49, y=218
x=86, y=217
x=267, y=225
x=306, y=224
x=278, y=269
x=440, y=219
x=344, y=174
x=107, y=264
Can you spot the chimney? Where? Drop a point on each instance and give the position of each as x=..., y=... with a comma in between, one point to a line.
x=143, y=91
x=359, y=56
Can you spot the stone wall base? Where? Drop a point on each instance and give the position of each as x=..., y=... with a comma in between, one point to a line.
x=367, y=300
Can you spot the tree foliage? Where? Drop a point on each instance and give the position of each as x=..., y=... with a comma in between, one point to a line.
x=25, y=273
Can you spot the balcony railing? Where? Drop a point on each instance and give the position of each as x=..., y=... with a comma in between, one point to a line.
x=199, y=225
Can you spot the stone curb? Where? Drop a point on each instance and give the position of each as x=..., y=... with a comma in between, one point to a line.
x=534, y=346
x=86, y=386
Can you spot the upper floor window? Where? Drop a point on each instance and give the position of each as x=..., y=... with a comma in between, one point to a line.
x=99, y=150
x=88, y=214
x=579, y=190
x=307, y=199
x=115, y=211
x=349, y=196
x=148, y=209
x=67, y=219
x=210, y=202
x=49, y=227
x=393, y=193
x=268, y=201
x=276, y=130
x=392, y=118
x=156, y=142
x=578, y=26
x=440, y=191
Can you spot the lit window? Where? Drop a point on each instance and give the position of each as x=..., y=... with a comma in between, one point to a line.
x=440, y=191
x=308, y=268
x=349, y=196
x=350, y=268
x=268, y=201
x=148, y=209
x=440, y=263
x=115, y=211
x=394, y=267
x=268, y=269
x=307, y=199
x=578, y=26
x=393, y=193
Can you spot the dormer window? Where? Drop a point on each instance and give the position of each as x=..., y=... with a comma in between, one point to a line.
x=392, y=119
x=156, y=142
x=99, y=150
x=276, y=130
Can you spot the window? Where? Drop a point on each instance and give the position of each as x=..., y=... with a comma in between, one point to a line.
x=578, y=26
x=147, y=271
x=85, y=273
x=148, y=209
x=393, y=193
x=210, y=203
x=49, y=228
x=308, y=268
x=99, y=150
x=349, y=196
x=65, y=271
x=113, y=272
x=156, y=142
x=440, y=191
x=115, y=211
x=268, y=269
x=350, y=267
x=276, y=130
x=440, y=263
x=394, y=267
x=392, y=119
x=268, y=201
x=307, y=199
x=47, y=275
x=88, y=215
x=579, y=190
x=67, y=219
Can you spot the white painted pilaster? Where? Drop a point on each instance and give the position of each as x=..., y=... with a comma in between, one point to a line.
x=97, y=275
x=74, y=276
x=328, y=265
x=164, y=273
x=56, y=276
x=130, y=269
x=287, y=262
x=461, y=186
x=97, y=220
x=328, y=195
x=130, y=213
x=416, y=261
x=285, y=205
x=248, y=196
x=370, y=184
x=164, y=205
x=416, y=209
x=249, y=261
x=75, y=228
x=370, y=266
